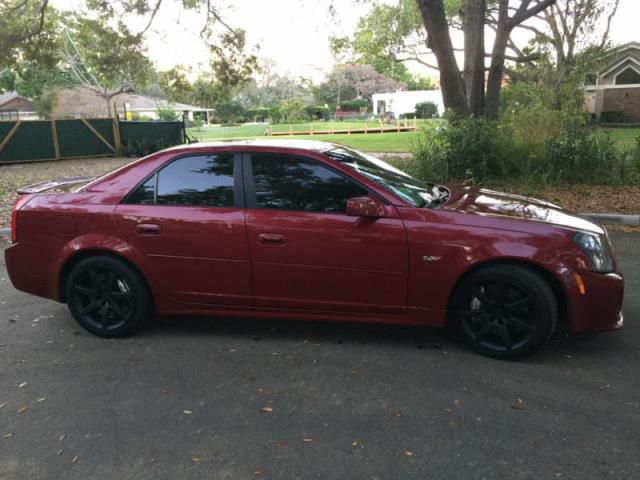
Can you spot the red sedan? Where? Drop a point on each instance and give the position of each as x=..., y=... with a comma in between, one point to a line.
x=310, y=230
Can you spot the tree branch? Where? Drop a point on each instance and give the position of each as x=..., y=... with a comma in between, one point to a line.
x=525, y=13
x=605, y=35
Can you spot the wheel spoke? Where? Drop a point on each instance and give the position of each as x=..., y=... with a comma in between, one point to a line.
x=522, y=325
x=104, y=316
x=506, y=336
x=484, y=331
x=122, y=295
x=518, y=304
x=115, y=308
x=473, y=313
x=85, y=291
x=91, y=307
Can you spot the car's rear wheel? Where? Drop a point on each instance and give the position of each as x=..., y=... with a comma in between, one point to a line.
x=108, y=297
x=504, y=311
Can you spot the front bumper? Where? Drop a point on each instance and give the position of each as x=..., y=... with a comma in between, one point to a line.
x=600, y=308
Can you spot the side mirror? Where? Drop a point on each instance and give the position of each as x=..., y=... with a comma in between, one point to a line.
x=365, y=207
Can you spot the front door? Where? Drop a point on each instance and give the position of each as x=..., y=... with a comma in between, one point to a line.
x=307, y=253
x=186, y=224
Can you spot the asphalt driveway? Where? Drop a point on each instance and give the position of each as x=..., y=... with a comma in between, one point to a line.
x=247, y=399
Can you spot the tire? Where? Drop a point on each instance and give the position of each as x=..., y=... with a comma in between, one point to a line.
x=504, y=311
x=108, y=297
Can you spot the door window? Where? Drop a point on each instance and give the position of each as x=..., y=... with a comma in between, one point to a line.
x=203, y=180
x=293, y=183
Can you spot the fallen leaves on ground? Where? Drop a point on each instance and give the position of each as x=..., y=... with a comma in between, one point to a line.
x=519, y=405
x=266, y=409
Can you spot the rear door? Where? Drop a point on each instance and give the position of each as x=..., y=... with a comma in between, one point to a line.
x=307, y=253
x=186, y=223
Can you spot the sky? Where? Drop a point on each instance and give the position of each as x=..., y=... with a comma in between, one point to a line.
x=292, y=33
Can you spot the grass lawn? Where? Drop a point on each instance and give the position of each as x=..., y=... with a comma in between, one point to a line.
x=371, y=142
x=623, y=137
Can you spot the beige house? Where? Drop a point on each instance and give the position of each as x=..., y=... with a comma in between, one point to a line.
x=82, y=102
x=617, y=89
x=13, y=106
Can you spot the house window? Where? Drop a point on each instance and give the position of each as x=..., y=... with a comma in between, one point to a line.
x=627, y=77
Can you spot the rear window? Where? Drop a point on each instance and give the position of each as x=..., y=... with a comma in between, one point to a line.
x=202, y=180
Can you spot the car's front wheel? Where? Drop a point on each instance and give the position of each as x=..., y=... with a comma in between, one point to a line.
x=504, y=311
x=108, y=297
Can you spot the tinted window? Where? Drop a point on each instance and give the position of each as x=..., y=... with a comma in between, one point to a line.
x=298, y=184
x=145, y=193
x=205, y=180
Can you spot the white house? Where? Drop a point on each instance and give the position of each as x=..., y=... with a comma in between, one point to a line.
x=401, y=102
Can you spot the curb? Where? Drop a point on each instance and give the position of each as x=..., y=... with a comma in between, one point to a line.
x=614, y=218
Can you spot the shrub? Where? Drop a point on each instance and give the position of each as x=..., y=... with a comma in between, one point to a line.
x=317, y=112
x=426, y=110
x=168, y=113
x=355, y=104
x=616, y=116
x=478, y=150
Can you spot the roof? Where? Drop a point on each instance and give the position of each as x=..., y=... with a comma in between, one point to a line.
x=140, y=102
x=617, y=57
x=412, y=92
x=7, y=97
x=314, y=145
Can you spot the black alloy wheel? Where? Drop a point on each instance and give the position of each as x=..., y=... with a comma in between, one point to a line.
x=505, y=311
x=108, y=297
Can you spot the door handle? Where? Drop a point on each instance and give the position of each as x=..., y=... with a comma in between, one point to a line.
x=148, y=229
x=271, y=239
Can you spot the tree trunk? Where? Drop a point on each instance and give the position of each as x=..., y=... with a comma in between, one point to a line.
x=473, y=18
x=439, y=40
x=496, y=69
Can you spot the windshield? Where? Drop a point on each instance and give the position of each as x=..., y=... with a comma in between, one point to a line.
x=396, y=181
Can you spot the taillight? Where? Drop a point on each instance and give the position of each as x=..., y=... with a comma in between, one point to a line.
x=20, y=202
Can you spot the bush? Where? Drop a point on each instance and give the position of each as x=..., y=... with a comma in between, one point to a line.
x=168, y=114
x=477, y=150
x=426, y=110
x=318, y=112
x=358, y=104
x=616, y=116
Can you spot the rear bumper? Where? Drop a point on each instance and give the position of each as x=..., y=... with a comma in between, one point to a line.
x=600, y=309
x=30, y=274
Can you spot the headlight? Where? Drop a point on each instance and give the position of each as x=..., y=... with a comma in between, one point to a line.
x=597, y=250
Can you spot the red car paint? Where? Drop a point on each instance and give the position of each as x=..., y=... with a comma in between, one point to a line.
x=400, y=268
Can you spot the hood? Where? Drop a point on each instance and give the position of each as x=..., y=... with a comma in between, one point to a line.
x=498, y=204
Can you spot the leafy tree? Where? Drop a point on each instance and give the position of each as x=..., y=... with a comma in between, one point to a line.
x=348, y=82
x=426, y=110
x=229, y=111
x=107, y=60
x=292, y=109
x=175, y=84
x=421, y=83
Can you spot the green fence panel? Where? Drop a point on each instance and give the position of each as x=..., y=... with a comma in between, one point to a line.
x=151, y=136
x=32, y=140
x=77, y=140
